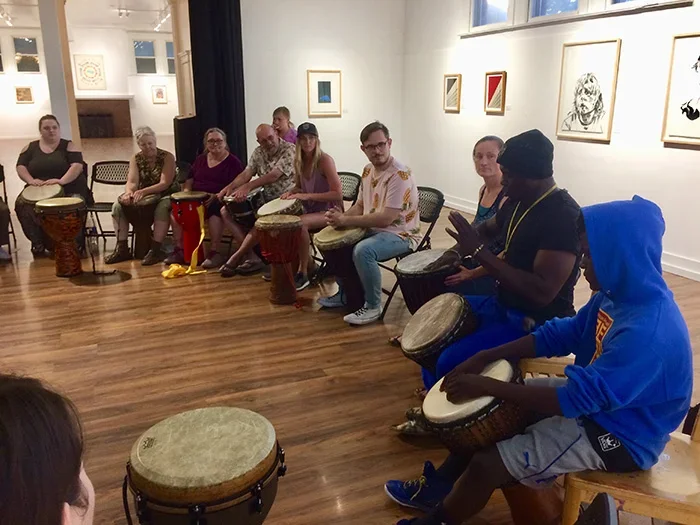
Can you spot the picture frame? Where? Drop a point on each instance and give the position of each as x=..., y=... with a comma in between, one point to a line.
x=452, y=93
x=24, y=95
x=587, y=90
x=324, y=91
x=159, y=94
x=681, y=124
x=90, y=72
x=495, y=84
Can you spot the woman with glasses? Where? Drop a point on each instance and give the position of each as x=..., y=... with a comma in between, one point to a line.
x=151, y=172
x=211, y=172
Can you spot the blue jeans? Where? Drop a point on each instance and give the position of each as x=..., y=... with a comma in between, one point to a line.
x=498, y=325
x=374, y=248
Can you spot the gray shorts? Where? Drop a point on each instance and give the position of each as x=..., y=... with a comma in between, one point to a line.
x=549, y=448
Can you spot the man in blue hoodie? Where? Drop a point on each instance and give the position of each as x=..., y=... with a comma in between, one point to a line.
x=630, y=385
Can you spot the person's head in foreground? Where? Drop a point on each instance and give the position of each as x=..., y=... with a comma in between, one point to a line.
x=42, y=480
x=629, y=387
x=526, y=162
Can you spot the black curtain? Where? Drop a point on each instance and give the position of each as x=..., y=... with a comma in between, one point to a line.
x=217, y=68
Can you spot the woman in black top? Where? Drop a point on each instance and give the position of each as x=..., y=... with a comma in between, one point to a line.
x=49, y=160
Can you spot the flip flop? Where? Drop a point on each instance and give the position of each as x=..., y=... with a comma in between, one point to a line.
x=227, y=271
x=250, y=267
x=395, y=341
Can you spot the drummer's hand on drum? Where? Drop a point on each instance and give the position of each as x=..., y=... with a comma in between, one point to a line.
x=335, y=218
x=137, y=196
x=474, y=365
x=51, y=181
x=287, y=195
x=465, y=387
x=210, y=199
x=240, y=194
x=446, y=260
x=466, y=235
x=464, y=274
x=36, y=182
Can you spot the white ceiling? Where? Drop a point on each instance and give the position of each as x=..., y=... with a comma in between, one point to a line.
x=143, y=14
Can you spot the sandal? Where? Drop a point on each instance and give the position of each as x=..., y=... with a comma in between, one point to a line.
x=227, y=271
x=250, y=267
x=395, y=341
x=414, y=414
x=412, y=428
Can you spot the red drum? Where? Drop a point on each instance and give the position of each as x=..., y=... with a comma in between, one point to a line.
x=62, y=219
x=186, y=206
x=279, y=237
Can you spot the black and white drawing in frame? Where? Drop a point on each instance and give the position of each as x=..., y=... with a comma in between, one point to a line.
x=682, y=119
x=587, y=90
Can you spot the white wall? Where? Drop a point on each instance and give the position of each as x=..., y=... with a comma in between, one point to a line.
x=363, y=38
x=116, y=47
x=21, y=120
x=438, y=146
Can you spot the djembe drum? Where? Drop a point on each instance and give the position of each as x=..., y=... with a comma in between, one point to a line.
x=213, y=466
x=279, y=237
x=281, y=207
x=336, y=246
x=244, y=212
x=436, y=325
x=418, y=284
x=62, y=219
x=186, y=211
x=140, y=215
x=478, y=423
x=34, y=194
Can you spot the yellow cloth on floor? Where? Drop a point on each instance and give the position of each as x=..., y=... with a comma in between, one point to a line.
x=177, y=270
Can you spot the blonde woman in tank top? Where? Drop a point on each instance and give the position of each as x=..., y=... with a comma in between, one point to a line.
x=317, y=186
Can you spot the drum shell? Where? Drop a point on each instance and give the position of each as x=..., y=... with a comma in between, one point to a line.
x=419, y=288
x=498, y=421
x=186, y=214
x=280, y=243
x=243, y=510
x=341, y=265
x=427, y=357
x=62, y=226
x=141, y=214
x=245, y=212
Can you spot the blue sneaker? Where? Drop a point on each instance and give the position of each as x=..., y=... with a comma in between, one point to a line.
x=424, y=493
x=334, y=301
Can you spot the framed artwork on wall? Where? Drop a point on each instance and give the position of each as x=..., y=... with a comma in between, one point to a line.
x=159, y=94
x=90, y=72
x=324, y=93
x=682, y=114
x=452, y=93
x=24, y=95
x=495, y=93
x=587, y=90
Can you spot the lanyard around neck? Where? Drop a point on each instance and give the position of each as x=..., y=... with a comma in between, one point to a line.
x=511, y=228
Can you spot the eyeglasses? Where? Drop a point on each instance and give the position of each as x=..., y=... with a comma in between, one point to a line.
x=215, y=142
x=376, y=147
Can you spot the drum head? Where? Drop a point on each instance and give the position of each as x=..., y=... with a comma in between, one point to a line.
x=203, y=455
x=60, y=204
x=437, y=409
x=330, y=238
x=278, y=222
x=40, y=193
x=148, y=200
x=434, y=321
x=189, y=196
x=277, y=206
x=417, y=262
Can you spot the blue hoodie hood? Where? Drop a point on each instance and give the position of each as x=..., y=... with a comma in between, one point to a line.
x=625, y=240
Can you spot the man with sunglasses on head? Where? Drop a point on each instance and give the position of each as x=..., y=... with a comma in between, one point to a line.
x=387, y=207
x=271, y=167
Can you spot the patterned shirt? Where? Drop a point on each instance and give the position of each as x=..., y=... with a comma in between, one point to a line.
x=392, y=188
x=262, y=163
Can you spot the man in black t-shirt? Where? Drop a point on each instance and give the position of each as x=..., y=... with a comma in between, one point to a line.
x=538, y=268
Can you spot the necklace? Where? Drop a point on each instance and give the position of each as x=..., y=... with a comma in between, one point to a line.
x=511, y=228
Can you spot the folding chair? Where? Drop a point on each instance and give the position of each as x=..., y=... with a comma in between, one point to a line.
x=112, y=173
x=430, y=202
x=4, y=196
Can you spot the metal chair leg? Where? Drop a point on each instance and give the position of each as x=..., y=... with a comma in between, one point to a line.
x=101, y=231
x=388, y=300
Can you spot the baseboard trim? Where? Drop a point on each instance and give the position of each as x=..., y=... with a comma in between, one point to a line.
x=671, y=263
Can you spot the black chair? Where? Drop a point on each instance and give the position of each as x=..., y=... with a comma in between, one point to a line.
x=601, y=511
x=4, y=196
x=182, y=171
x=111, y=173
x=430, y=203
x=351, y=186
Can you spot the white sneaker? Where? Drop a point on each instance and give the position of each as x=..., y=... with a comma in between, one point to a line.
x=4, y=255
x=363, y=316
x=334, y=301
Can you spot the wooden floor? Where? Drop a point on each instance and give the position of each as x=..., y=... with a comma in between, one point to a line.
x=132, y=353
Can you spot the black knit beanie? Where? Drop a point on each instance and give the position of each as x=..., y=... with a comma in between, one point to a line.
x=528, y=155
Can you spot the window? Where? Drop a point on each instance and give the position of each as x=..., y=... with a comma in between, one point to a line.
x=145, y=54
x=620, y=1
x=170, y=52
x=552, y=7
x=488, y=12
x=27, y=55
